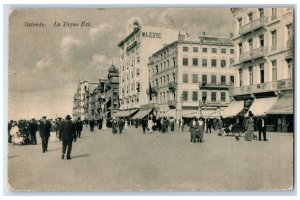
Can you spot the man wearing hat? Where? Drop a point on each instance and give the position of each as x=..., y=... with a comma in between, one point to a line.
x=44, y=130
x=32, y=127
x=68, y=134
x=78, y=126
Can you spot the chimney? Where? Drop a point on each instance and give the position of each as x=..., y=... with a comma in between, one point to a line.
x=181, y=37
x=204, y=33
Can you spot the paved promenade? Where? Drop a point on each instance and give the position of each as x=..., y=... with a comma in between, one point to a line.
x=102, y=161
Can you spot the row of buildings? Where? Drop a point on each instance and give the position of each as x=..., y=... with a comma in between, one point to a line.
x=168, y=72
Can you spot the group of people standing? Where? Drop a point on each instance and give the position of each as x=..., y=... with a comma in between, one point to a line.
x=67, y=131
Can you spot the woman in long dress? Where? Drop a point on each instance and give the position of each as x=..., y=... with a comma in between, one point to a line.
x=193, y=129
x=250, y=127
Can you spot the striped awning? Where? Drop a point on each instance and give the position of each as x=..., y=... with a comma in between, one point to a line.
x=142, y=113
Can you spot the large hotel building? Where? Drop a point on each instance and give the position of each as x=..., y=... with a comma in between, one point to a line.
x=264, y=63
x=189, y=75
x=135, y=50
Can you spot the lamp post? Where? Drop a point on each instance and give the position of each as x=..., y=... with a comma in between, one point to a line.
x=181, y=113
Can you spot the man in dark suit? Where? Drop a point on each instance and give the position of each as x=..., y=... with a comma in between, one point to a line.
x=44, y=130
x=144, y=124
x=261, y=125
x=32, y=127
x=68, y=134
x=121, y=125
x=78, y=126
x=92, y=124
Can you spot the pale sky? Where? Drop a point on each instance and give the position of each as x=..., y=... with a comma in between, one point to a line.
x=46, y=64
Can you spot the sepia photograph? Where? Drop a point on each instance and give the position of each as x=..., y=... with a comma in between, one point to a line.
x=151, y=99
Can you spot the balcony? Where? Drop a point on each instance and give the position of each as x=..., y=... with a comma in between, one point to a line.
x=172, y=103
x=172, y=86
x=216, y=85
x=253, y=54
x=154, y=90
x=254, y=25
x=284, y=84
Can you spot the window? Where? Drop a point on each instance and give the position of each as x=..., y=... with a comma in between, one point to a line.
x=290, y=33
x=262, y=72
x=204, y=50
x=213, y=96
x=195, y=49
x=274, y=40
x=214, y=62
x=231, y=51
x=185, y=78
x=223, y=50
x=274, y=13
x=261, y=12
x=214, y=50
x=195, y=96
x=290, y=68
x=138, y=86
x=241, y=77
x=156, y=67
x=195, y=78
x=174, y=63
x=250, y=16
x=213, y=79
x=223, y=80
x=168, y=64
x=250, y=43
x=250, y=75
x=185, y=49
x=240, y=22
x=274, y=70
x=240, y=48
x=204, y=96
x=223, y=63
x=231, y=61
x=195, y=61
x=261, y=41
x=223, y=96
x=204, y=62
x=185, y=61
x=232, y=80
x=185, y=95
x=204, y=78
x=138, y=59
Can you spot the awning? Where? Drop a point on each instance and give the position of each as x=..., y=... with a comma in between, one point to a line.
x=283, y=105
x=261, y=106
x=234, y=108
x=142, y=113
x=125, y=113
x=107, y=100
x=197, y=113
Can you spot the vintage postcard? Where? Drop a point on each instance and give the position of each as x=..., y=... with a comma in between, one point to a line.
x=151, y=99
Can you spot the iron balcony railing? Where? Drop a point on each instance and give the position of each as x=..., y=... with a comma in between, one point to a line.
x=214, y=85
x=283, y=84
x=253, y=54
x=253, y=25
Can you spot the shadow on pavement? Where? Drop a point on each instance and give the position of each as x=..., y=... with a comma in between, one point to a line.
x=83, y=155
x=54, y=149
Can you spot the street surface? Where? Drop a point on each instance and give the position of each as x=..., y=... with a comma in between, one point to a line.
x=133, y=161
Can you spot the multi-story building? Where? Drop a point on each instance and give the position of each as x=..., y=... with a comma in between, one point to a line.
x=135, y=50
x=98, y=100
x=264, y=63
x=82, y=99
x=191, y=75
x=112, y=91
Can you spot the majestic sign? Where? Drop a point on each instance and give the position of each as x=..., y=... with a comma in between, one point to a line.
x=151, y=35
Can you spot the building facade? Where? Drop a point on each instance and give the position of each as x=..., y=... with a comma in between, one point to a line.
x=82, y=102
x=264, y=60
x=98, y=100
x=135, y=50
x=186, y=76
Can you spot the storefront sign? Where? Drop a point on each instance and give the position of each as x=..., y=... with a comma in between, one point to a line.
x=151, y=35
